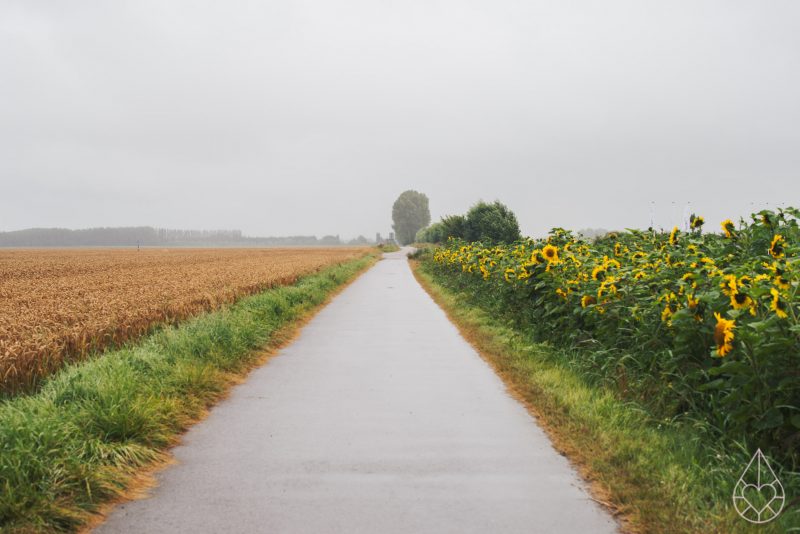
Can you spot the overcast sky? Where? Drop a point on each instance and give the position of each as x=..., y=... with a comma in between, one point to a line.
x=310, y=117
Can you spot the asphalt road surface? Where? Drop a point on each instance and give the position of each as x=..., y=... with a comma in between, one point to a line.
x=379, y=418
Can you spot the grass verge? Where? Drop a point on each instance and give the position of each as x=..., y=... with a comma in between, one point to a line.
x=83, y=439
x=656, y=475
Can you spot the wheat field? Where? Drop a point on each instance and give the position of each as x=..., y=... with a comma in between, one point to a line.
x=57, y=306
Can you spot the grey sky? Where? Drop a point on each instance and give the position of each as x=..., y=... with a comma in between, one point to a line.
x=310, y=117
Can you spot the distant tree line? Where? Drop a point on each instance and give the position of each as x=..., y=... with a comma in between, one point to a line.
x=147, y=236
x=489, y=223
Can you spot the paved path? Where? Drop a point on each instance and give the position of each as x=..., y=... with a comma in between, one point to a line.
x=379, y=419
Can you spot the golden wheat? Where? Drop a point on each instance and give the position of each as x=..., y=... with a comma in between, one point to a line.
x=59, y=305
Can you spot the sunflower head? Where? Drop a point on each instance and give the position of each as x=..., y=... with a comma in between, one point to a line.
x=550, y=253
x=587, y=300
x=673, y=236
x=696, y=222
x=776, y=247
x=729, y=285
x=723, y=334
x=599, y=273
x=728, y=228
x=667, y=313
x=778, y=305
x=740, y=301
x=782, y=282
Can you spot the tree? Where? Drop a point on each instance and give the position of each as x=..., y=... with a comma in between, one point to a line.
x=491, y=222
x=410, y=213
x=454, y=226
x=431, y=234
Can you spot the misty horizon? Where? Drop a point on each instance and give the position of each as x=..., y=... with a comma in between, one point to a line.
x=309, y=118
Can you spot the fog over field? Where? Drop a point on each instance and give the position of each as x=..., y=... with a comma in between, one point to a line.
x=310, y=117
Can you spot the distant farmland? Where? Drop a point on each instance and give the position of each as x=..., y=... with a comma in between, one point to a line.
x=59, y=305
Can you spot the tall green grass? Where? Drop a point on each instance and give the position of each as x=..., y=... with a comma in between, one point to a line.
x=78, y=442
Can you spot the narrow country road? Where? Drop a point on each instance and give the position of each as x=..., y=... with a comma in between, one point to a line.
x=378, y=418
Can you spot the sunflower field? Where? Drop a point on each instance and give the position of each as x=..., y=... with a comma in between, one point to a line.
x=695, y=325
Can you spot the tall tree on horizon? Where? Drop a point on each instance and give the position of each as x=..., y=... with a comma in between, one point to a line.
x=410, y=213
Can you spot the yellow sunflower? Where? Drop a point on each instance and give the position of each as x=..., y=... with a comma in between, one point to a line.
x=728, y=228
x=667, y=313
x=696, y=222
x=782, y=282
x=550, y=253
x=599, y=272
x=776, y=247
x=673, y=236
x=729, y=285
x=723, y=334
x=778, y=305
x=740, y=301
x=586, y=300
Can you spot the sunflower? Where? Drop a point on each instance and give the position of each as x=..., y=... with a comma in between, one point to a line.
x=729, y=285
x=550, y=253
x=776, y=247
x=599, y=273
x=561, y=293
x=740, y=301
x=697, y=307
x=510, y=271
x=778, y=305
x=607, y=287
x=690, y=278
x=728, y=228
x=587, y=300
x=673, y=236
x=667, y=313
x=696, y=222
x=782, y=282
x=723, y=334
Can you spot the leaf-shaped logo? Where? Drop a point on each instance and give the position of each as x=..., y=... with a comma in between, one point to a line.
x=758, y=495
